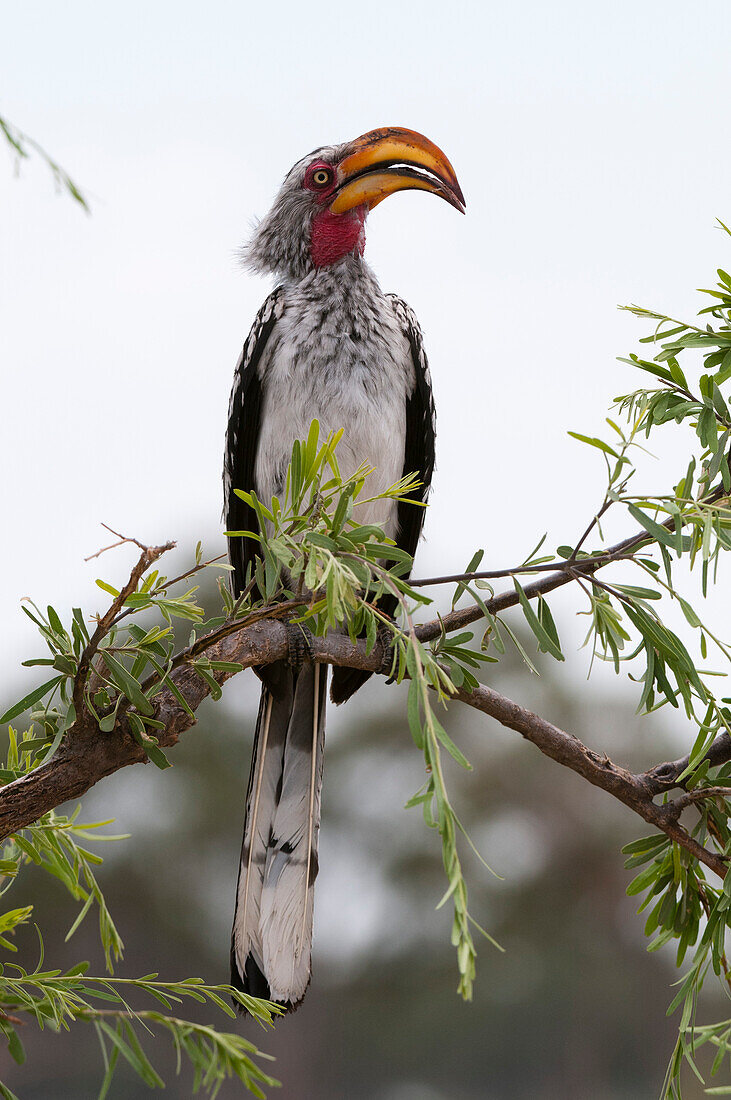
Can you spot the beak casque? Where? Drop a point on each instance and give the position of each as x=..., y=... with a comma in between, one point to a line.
x=393, y=159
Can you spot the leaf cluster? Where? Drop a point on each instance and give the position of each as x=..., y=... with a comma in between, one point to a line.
x=115, y=675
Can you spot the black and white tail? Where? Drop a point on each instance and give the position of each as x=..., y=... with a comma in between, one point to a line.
x=271, y=942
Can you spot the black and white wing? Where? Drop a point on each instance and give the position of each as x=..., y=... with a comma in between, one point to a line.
x=418, y=459
x=420, y=430
x=242, y=438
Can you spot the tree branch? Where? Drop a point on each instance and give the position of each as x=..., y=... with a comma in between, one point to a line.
x=566, y=571
x=87, y=755
x=633, y=790
x=149, y=555
x=663, y=777
x=456, y=620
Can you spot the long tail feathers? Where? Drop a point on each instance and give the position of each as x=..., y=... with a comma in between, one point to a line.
x=271, y=942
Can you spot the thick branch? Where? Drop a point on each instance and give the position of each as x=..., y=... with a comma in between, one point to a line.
x=87, y=755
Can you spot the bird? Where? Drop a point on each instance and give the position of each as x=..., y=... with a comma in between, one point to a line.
x=327, y=344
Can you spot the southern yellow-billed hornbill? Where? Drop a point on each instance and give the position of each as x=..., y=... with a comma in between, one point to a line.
x=326, y=344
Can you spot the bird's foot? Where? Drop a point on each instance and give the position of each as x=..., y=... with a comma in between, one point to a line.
x=299, y=648
x=387, y=649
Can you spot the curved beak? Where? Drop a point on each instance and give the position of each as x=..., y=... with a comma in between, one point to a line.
x=392, y=159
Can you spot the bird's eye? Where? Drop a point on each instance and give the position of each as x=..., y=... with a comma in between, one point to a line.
x=319, y=178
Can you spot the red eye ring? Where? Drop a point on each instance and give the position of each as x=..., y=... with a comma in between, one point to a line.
x=319, y=177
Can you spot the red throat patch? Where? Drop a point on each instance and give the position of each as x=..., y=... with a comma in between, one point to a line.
x=335, y=235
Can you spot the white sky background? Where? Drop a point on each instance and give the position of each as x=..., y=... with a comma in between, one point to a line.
x=590, y=141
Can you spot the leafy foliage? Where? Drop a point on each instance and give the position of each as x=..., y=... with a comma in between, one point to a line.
x=56, y=999
x=691, y=525
x=53, y=844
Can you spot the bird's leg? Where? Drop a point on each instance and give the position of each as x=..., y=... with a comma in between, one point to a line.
x=385, y=643
x=299, y=648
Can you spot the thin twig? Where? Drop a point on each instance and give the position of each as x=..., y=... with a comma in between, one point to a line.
x=590, y=527
x=698, y=794
x=169, y=584
x=123, y=539
x=595, y=560
x=149, y=555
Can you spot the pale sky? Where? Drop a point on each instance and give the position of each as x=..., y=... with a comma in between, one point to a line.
x=591, y=146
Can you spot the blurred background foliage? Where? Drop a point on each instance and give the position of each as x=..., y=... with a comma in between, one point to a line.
x=573, y=1008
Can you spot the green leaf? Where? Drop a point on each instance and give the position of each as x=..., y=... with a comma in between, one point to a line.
x=707, y=428
x=643, y=880
x=724, y=372
x=127, y=683
x=127, y=1053
x=676, y=373
x=718, y=402
x=592, y=441
x=148, y=743
x=658, y=532
x=645, y=844
x=82, y=913
x=15, y=1047
x=689, y=613
x=546, y=620
x=107, y=588
x=472, y=567
x=450, y=746
x=172, y=686
x=651, y=368
x=68, y=721
x=31, y=698
x=413, y=714
x=213, y=685
x=516, y=642
x=546, y=642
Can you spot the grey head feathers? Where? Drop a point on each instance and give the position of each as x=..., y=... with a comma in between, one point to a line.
x=280, y=244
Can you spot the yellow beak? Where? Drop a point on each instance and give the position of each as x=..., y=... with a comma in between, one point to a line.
x=392, y=159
